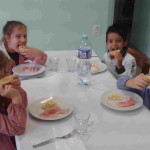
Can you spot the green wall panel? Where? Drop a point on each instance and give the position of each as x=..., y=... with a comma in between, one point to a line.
x=141, y=26
x=59, y=24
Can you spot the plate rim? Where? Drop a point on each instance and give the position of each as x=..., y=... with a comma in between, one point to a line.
x=131, y=108
x=71, y=107
x=29, y=75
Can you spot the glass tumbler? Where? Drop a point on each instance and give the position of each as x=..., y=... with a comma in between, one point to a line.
x=81, y=121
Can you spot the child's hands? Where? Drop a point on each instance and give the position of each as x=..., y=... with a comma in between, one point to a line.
x=119, y=59
x=5, y=90
x=15, y=82
x=11, y=80
x=31, y=52
x=10, y=92
x=139, y=82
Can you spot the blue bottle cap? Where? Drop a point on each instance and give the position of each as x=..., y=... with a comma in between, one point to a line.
x=85, y=37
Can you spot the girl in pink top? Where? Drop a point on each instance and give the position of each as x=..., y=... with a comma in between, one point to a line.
x=13, y=102
x=14, y=45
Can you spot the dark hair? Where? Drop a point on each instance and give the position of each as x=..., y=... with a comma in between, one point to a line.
x=9, y=27
x=117, y=28
x=4, y=61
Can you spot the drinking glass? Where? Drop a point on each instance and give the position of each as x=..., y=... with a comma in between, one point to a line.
x=81, y=121
x=54, y=63
x=71, y=62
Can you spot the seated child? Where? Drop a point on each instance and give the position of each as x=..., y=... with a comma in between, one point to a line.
x=119, y=62
x=14, y=45
x=138, y=84
x=13, y=102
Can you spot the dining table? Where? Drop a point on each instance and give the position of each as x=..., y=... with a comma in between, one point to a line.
x=108, y=129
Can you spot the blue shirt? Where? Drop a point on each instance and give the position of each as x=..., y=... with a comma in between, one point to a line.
x=145, y=94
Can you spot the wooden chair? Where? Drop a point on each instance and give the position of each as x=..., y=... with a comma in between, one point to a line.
x=141, y=61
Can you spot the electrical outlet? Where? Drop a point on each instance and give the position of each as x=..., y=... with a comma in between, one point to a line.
x=96, y=30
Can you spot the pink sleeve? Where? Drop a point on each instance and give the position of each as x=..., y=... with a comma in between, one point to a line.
x=41, y=61
x=15, y=122
x=24, y=96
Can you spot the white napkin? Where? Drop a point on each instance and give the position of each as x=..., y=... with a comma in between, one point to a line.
x=72, y=143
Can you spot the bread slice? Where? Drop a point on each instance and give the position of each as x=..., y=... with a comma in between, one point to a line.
x=114, y=96
x=114, y=52
x=147, y=76
x=48, y=104
x=6, y=79
x=95, y=69
x=22, y=49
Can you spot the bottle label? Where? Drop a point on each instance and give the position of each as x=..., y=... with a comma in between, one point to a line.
x=84, y=54
x=85, y=66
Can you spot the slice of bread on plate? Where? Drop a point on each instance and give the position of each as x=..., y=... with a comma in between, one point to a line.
x=95, y=68
x=114, y=96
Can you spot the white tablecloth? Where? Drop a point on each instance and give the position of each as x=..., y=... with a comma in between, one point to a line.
x=108, y=130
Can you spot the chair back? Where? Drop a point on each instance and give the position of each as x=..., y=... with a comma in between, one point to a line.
x=142, y=61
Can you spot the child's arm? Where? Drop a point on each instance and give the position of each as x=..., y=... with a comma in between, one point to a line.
x=128, y=69
x=125, y=65
x=14, y=123
x=139, y=82
x=38, y=56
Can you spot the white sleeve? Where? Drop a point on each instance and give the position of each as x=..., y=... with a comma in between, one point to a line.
x=130, y=68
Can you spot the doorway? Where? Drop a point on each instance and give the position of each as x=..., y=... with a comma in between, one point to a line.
x=123, y=13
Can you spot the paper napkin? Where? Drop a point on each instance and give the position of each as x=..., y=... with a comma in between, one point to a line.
x=72, y=143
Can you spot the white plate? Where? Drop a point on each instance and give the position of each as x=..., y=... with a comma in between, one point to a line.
x=101, y=66
x=19, y=71
x=35, y=108
x=112, y=103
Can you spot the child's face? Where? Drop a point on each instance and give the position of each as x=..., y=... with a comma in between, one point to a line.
x=2, y=73
x=115, y=42
x=18, y=38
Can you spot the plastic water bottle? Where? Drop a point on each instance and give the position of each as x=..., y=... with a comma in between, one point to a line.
x=84, y=67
